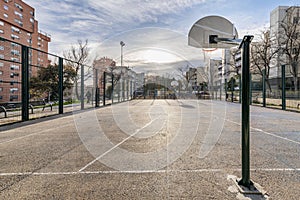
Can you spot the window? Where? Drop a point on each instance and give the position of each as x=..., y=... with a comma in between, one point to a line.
x=15, y=29
x=31, y=20
x=5, y=15
x=32, y=13
x=19, y=22
x=1, y=31
x=6, y=1
x=1, y=23
x=13, y=36
x=13, y=97
x=13, y=90
x=19, y=14
x=19, y=6
x=1, y=56
x=1, y=48
x=14, y=45
x=5, y=7
x=1, y=89
x=1, y=64
x=12, y=75
x=14, y=59
x=15, y=52
x=14, y=67
x=1, y=72
x=1, y=97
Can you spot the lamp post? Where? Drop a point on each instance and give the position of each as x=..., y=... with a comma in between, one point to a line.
x=122, y=45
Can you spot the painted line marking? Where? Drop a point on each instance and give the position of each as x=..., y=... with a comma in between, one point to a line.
x=147, y=171
x=117, y=145
x=267, y=133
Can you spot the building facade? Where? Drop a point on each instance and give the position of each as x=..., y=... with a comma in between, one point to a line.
x=17, y=23
x=288, y=17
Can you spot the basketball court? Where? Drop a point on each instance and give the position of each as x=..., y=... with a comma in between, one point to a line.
x=164, y=149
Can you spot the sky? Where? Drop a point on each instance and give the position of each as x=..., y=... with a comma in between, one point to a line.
x=154, y=31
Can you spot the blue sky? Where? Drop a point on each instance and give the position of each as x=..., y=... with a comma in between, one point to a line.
x=146, y=26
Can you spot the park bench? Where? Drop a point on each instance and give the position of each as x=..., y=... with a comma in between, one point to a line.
x=16, y=106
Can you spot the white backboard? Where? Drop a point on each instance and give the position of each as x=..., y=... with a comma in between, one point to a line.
x=199, y=35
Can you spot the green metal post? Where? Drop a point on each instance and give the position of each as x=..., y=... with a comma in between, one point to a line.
x=97, y=89
x=128, y=89
x=250, y=89
x=283, y=87
x=232, y=88
x=245, y=181
x=60, y=86
x=240, y=89
x=264, y=87
x=112, y=88
x=25, y=83
x=104, y=87
x=123, y=90
x=82, y=87
x=226, y=94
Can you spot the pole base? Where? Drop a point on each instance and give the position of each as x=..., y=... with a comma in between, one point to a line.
x=254, y=190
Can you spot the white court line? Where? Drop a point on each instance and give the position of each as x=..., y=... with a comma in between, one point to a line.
x=148, y=171
x=18, y=138
x=117, y=145
x=267, y=133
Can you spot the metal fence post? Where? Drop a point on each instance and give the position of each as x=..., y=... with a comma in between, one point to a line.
x=96, y=89
x=232, y=89
x=104, y=87
x=112, y=88
x=264, y=87
x=60, y=86
x=283, y=87
x=82, y=87
x=25, y=83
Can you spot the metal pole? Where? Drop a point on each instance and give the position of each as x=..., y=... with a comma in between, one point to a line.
x=250, y=89
x=240, y=89
x=264, y=87
x=226, y=94
x=60, y=86
x=144, y=89
x=82, y=88
x=283, y=87
x=97, y=89
x=245, y=181
x=112, y=88
x=232, y=88
x=25, y=84
x=104, y=87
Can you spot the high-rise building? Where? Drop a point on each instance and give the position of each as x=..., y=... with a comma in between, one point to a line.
x=283, y=16
x=17, y=23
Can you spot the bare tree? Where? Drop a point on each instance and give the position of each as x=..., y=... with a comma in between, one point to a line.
x=76, y=57
x=234, y=68
x=289, y=41
x=262, y=52
x=185, y=76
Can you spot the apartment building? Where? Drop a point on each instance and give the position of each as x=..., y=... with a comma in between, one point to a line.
x=288, y=16
x=17, y=23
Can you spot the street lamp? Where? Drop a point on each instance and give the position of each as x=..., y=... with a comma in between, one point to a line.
x=122, y=45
